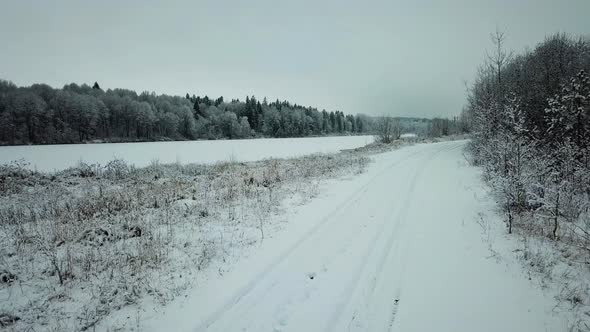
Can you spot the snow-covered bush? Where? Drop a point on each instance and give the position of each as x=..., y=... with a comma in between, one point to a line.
x=531, y=136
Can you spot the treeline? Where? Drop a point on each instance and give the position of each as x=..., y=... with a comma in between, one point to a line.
x=439, y=127
x=40, y=114
x=530, y=118
x=388, y=129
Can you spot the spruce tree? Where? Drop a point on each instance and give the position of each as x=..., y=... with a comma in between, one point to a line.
x=196, y=109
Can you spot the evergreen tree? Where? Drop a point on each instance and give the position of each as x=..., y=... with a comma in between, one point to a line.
x=259, y=118
x=332, y=122
x=196, y=108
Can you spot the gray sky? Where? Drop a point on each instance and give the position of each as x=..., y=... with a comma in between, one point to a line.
x=407, y=58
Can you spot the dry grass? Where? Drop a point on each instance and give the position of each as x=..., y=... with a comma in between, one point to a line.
x=79, y=244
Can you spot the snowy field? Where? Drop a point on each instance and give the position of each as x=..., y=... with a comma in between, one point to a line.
x=84, y=243
x=58, y=157
x=366, y=255
x=408, y=242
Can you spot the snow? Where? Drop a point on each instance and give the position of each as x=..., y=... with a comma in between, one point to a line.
x=397, y=248
x=58, y=157
x=408, y=135
x=148, y=233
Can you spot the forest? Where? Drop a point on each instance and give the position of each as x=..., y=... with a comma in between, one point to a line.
x=529, y=115
x=40, y=114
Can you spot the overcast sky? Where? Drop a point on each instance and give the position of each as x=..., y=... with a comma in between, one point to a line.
x=408, y=58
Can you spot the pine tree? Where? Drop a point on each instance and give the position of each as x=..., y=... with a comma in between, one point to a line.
x=259, y=118
x=196, y=108
x=332, y=121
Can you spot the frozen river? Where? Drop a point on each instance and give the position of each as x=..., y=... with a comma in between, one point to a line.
x=57, y=157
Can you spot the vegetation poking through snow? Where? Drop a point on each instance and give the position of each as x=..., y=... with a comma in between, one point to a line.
x=81, y=243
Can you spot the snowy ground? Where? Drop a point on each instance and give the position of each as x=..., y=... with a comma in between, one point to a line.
x=410, y=242
x=398, y=248
x=79, y=245
x=58, y=157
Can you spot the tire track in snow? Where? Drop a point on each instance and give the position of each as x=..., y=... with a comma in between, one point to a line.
x=254, y=292
x=354, y=289
x=248, y=288
x=398, y=257
x=360, y=271
x=401, y=255
x=393, y=314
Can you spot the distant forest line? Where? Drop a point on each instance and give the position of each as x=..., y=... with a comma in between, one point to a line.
x=40, y=114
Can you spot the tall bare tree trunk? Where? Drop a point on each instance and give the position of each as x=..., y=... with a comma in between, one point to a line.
x=555, y=217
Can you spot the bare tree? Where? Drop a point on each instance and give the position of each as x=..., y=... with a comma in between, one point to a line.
x=499, y=58
x=388, y=129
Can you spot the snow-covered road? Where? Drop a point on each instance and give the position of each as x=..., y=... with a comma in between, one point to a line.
x=395, y=249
